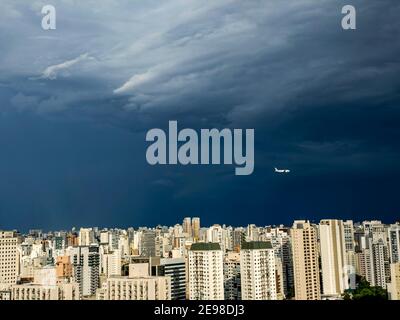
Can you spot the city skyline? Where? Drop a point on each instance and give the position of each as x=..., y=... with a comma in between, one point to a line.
x=329, y=260
x=288, y=224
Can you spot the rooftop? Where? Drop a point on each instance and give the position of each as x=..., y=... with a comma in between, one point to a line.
x=254, y=245
x=202, y=246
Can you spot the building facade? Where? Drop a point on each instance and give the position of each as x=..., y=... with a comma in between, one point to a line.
x=86, y=268
x=138, y=288
x=206, y=279
x=257, y=270
x=394, y=288
x=232, y=281
x=8, y=257
x=175, y=268
x=333, y=257
x=305, y=261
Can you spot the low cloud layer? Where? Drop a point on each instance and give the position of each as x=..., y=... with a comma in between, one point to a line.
x=52, y=72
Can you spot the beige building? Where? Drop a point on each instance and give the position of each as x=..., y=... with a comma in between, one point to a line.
x=333, y=257
x=138, y=270
x=138, y=288
x=206, y=279
x=45, y=276
x=86, y=237
x=187, y=226
x=305, y=261
x=64, y=291
x=63, y=267
x=8, y=257
x=196, y=228
x=394, y=286
x=365, y=265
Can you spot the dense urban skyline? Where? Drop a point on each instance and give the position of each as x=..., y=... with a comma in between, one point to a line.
x=205, y=222
x=330, y=260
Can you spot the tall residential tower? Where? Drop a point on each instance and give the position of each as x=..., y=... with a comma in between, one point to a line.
x=305, y=261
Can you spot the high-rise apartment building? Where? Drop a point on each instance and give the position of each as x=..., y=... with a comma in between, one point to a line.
x=257, y=270
x=305, y=261
x=394, y=242
x=333, y=257
x=148, y=243
x=196, y=228
x=280, y=240
x=380, y=264
x=111, y=263
x=252, y=233
x=373, y=263
x=348, y=230
x=238, y=237
x=8, y=257
x=86, y=268
x=232, y=282
x=187, y=226
x=206, y=279
x=365, y=265
x=350, y=252
x=216, y=234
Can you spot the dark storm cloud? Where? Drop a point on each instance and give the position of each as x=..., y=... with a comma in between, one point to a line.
x=323, y=101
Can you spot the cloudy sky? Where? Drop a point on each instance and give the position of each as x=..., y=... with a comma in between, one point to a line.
x=76, y=103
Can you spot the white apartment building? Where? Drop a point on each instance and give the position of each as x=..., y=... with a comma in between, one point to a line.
x=217, y=234
x=111, y=263
x=257, y=271
x=348, y=230
x=380, y=264
x=206, y=279
x=8, y=257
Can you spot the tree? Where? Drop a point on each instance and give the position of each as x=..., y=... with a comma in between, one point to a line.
x=364, y=291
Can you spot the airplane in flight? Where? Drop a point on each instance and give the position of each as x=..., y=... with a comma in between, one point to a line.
x=282, y=170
